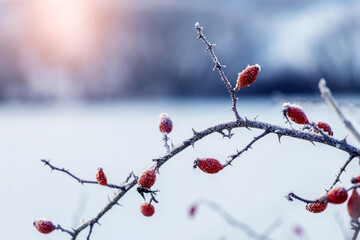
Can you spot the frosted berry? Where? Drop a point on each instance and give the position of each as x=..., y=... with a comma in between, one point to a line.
x=165, y=123
x=100, y=177
x=324, y=127
x=147, y=178
x=316, y=207
x=247, y=76
x=295, y=113
x=208, y=165
x=356, y=180
x=353, y=205
x=337, y=195
x=44, y=226
x=147, y=209
x=192, y=210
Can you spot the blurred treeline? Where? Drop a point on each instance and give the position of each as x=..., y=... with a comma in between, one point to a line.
x=104, y=50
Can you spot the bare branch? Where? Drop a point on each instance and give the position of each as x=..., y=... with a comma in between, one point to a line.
x=233, y=157
x=326, y=94
x=342, y=169
x=52, y=167
x=58, y=227
x=232, y=221
x=220, y=68
x=292, y=195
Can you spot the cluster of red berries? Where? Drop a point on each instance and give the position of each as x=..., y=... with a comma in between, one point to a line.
x=146, y=181
x=339, y=195
x=295, y=113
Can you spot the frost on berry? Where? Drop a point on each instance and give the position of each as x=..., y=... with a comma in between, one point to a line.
x=247, y=76
x=337, y=195
x=44, y=226
x=147, y=209
x=192, y=210
x=208, y=165
x=316, y=207
x=353, y=205
x=295, y=113
x=165, y=123
x=147, y=178
x=324, y=127
x=100, y=177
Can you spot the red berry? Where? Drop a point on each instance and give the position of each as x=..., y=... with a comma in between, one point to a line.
x=165, y=123
x=209, y=165
x=147, y=209
x=337, y=195
x=316, y=207
x=353, y=205
x=355, y=180
x=192, y=210
x=247, y=76
x=295, y=113
x=44, y=226
x=147, y=178
x=325, y=127
x=100, y=177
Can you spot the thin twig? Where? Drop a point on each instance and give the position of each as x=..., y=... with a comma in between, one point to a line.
x=292, y=195
x=166, y=144
x=220, y=68
x=342, y=169
x=52, y=167
x=231, y=220
x=58, y=227
x=326, y=94
x=355, y=225
x=233, y=157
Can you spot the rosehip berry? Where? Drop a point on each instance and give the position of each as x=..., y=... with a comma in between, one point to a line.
x=295, y=113
x=100, y=177
x=325, y=127
x=192, y=210
x=147, y=178
x=247, y=76
x=165, y=123
x=353, y=205
x=44, y=226
x=337, y=195
x=355, y=180
x=208, y=165
x=316, y=207
x=147, y=209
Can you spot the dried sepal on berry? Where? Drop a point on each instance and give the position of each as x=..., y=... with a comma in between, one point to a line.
x=100, y=177
x=165, y=123
x=208, y=165
x=337, y=195
x=247, y=76
x=147, y=178
x=324, y=127
x=353, y=205
x=355, y=180
x=147, y=209
x=294, y=113
x=317, y=207
x=44, y=226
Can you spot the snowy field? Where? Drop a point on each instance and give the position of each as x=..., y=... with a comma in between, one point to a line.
x=122, y=137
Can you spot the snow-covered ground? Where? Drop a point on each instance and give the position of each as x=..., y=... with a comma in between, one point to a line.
x=122, y=137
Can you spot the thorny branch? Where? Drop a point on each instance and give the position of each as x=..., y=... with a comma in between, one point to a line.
x=220, y=68
x=233, y=157
x=268, y=128
x=326, y=94
x=52, y=167
x=342, y=169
